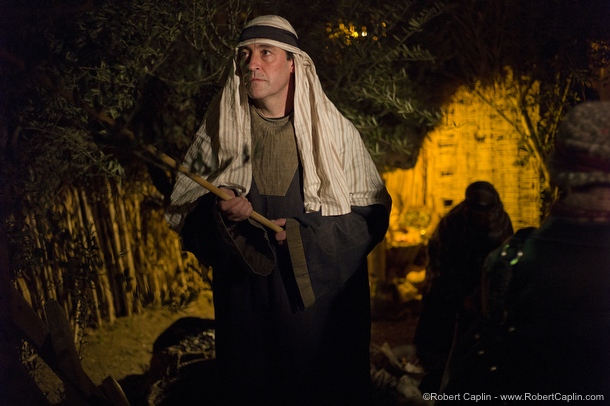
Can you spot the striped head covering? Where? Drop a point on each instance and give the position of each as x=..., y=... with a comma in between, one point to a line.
x=338, y=171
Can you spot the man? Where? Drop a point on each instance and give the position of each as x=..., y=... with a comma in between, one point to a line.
x=292, y=307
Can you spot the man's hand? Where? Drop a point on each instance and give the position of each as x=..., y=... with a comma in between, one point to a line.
x=281, y=236
x=236, y=209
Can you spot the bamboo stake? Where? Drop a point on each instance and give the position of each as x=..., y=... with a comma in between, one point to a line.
x=167, y=273
x=70, y=201
x=101, y=273
x=146, y=252
x=94, y=278
x=37, y=285
x=143, y=272
x=126, y=294
x=114, y=291
x=99, y=320
x=80, y=288
x=128, y=247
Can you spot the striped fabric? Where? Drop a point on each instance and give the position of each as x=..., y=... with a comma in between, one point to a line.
x=338, y=171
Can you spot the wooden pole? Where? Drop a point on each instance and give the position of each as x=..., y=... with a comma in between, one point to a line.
x=202, y=182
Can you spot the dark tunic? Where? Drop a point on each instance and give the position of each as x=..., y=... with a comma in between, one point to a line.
x=293, y=321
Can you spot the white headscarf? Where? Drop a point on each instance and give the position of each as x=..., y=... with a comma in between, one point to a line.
x=338, y=171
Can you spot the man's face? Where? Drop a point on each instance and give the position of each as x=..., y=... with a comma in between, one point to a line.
x=266, y=72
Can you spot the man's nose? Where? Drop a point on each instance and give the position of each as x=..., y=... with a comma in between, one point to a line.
x=253, y=62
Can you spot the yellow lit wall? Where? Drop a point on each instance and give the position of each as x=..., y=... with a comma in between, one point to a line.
x=475, y=142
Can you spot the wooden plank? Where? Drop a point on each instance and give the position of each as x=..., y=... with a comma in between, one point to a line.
x=114, y=392
x=26, y=319
x=56, y=347
x=80, y=389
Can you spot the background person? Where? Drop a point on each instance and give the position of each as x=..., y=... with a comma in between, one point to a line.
x=456, y=253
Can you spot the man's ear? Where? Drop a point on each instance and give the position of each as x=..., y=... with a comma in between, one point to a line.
x=292, y=65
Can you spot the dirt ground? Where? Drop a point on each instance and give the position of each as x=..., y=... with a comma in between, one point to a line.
x=123, y=350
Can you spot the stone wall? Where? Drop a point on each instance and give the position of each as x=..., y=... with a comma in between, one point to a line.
x=479, y=139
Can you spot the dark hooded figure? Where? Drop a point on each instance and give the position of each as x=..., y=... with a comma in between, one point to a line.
x=457, y=251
